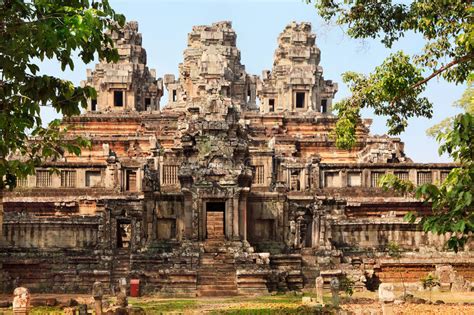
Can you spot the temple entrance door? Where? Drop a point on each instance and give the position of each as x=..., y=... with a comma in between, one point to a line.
x=215, y=220
x=124, y=233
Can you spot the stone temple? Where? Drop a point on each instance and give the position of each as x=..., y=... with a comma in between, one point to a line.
x=233, y=186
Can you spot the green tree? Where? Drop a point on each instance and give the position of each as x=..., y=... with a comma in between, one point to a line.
x=347, y=285
x=429, y=282
x=394, y=89
x=466, y=103
x=31, y=31
x=395, y=252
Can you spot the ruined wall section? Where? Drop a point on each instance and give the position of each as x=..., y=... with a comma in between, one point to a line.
x=127, y=85
x=296, y=82
x=211, y=69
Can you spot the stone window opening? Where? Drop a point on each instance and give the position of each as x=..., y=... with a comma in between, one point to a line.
x=22, y=182
x=271, y=105
x=423, y=178
x=353, y=179
x=118, y=98
x=68, y=178
x=443, y=176
x=324, y=106
x=123, y=234
x=170, y=175
x=249, y=94
x=93, y=178
x=259, y=178
x=331, y=179
x=43, y=178
x=131, y=180
x=175, y=96
x=402, y=175
x=225, y=91
x=295, y=184
x=93, y=104
x=374, y=178
x=300, y=99
x=147, y=102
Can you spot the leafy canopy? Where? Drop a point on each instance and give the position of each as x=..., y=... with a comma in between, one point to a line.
x=451, y=200
x=394, y=88
x=32, y=31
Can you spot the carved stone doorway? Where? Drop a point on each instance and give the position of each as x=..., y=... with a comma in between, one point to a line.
x=124, y=233
x=215, y=220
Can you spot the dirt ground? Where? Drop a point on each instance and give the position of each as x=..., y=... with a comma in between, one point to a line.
x=359, y=303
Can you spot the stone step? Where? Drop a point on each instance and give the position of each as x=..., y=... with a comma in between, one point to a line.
x=225, y=287
x=216, y=281
x=219, y=267
x=215, y=272
x=217, y=292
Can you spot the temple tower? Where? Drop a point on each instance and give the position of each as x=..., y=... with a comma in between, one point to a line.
x=296, y=82
x=127, y=85
x=211, y=73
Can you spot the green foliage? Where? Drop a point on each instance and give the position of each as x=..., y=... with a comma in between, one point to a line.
x=452, y=200
x=159, y=307
x=394, y=250
x=32, y=31
x=347, y=285
x=394, y=88
x=387, y=91
x=429, y=281
x=466, y=103
x=391, y=181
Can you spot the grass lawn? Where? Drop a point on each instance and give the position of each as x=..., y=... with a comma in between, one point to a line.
x=268, y=304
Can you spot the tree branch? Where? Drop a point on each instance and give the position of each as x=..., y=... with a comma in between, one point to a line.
x=442, y=69
x=436, y=73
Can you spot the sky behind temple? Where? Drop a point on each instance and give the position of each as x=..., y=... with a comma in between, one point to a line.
x=165, y=24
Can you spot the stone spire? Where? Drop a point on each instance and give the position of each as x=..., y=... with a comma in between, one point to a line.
x=211, y=77
x=127, y=85
x=296, y=82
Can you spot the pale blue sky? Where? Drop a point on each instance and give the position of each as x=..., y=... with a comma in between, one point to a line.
x=166, y=23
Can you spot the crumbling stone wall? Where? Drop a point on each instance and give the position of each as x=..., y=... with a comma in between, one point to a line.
x=291, y=205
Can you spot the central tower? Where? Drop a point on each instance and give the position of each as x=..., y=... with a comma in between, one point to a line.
x=214, y=175
x=211, y=76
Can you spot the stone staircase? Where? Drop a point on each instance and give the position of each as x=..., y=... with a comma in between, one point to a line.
x=216, y=272
x=289, y=265
x=121, y=266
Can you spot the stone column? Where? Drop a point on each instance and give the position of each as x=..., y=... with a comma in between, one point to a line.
x=1, y=218
x=235, y=216
x=199, y=206
x=228, y=217
x=97, y=293
x=386, y=298
x=315, y=230
x=188, y=213
x=335, y=291
x=21, y=301
x=319, y=285
x=243, y=213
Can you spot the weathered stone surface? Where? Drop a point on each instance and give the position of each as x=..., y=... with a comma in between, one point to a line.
x=335, y=291
x=319, y=289
x=21, y=301
x=214, y=182
x=386, y=292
